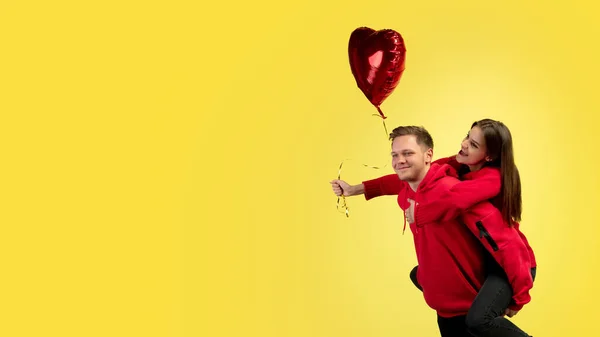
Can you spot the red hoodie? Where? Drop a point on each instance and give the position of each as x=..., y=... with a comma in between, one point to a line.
x=451, y=264
x=477, y=186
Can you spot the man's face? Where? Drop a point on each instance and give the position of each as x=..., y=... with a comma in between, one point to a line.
x=409, y=159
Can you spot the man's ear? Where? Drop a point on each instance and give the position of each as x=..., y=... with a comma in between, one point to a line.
x=429, y=156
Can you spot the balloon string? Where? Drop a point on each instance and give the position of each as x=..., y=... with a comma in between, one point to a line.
x=384, y=126
x=344, y=206
x=380, y=112
x=383, y=118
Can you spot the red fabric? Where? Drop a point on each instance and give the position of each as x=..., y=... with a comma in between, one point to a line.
x=450, y=257
x=477, y=186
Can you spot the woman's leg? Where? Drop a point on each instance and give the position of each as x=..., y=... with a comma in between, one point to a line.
x=413, y=277
x=485, y=318
x=453, y=327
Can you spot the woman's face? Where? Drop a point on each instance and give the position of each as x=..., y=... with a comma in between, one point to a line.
x=473, y=151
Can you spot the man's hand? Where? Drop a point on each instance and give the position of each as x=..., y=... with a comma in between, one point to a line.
x=410, y=211
x=510, y=312
x=341, y=187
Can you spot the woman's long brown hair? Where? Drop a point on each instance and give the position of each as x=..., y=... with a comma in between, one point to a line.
x=500, y=149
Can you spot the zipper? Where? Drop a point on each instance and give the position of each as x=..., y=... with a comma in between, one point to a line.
x=484, y=233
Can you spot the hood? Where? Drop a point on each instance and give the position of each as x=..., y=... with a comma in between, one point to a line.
x=435, y=173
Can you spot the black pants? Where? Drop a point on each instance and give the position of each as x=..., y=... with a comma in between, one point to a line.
x=453, y=326
x=485, y=317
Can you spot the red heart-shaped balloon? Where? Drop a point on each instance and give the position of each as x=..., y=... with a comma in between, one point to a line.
x=377, y=62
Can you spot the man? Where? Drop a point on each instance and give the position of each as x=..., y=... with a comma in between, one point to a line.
x=451, y=259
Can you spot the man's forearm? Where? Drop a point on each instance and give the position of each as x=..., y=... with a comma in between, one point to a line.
x=357, y=189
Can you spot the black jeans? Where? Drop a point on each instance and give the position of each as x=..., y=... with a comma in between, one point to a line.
x=485, y=317
x=453, y=326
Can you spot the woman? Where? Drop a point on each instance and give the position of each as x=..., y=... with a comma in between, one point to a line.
x=486, y=165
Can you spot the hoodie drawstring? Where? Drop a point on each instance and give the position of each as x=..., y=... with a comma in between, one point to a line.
x=403, y=229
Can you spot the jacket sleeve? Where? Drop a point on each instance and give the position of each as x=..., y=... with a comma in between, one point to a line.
x=505, y=245
x=450, y=161
x=526, y=242
x=386, y=185
x=460, y=197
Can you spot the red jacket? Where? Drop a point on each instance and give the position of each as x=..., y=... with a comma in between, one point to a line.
x=484, y=184
x=450, y=257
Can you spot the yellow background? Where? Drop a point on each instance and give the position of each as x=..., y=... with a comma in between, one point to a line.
x=165, y=164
